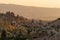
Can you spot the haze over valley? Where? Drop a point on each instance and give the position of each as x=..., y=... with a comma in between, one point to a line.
x=32, y=12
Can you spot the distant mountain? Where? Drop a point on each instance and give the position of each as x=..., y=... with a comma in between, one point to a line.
x=32, y=12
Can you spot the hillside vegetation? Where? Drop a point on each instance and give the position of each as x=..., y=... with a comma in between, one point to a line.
x=15, y=27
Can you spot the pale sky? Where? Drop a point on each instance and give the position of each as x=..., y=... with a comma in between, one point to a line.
x=38, y=3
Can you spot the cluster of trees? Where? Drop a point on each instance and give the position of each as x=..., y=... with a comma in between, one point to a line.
x=4, y=36
x=14, y=27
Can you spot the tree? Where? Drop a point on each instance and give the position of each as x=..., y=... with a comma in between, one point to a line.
x=3, y=35
x=20, y=37
x=8, y=13
x=12, y=14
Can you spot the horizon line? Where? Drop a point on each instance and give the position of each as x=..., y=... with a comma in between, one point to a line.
x=26, y=5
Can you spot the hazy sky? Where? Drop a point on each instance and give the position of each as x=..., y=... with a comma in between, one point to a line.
x=39, y=3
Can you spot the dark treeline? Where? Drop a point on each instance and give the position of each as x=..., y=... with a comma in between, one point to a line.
x=15, y=27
